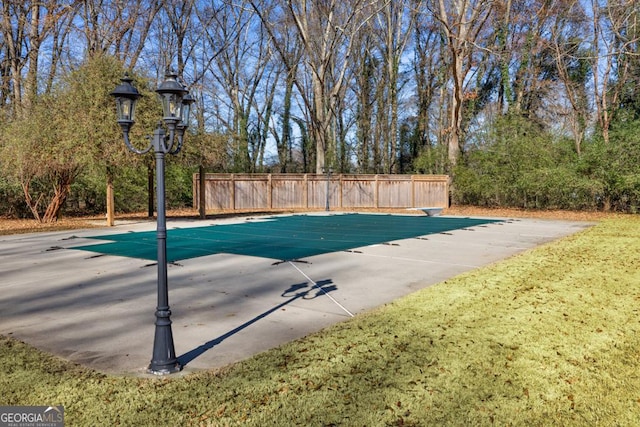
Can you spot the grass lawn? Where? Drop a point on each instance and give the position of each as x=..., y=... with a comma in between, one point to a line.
x=548, y=337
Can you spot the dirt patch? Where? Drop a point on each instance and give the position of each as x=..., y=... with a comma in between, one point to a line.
x=530, y=213
x=18, y=226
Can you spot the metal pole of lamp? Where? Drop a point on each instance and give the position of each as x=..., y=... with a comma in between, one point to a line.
x=176, y=104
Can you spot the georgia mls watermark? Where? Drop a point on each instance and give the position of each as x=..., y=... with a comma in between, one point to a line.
x=31, y=416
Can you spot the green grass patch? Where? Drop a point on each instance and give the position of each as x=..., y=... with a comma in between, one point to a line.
x=548, y=337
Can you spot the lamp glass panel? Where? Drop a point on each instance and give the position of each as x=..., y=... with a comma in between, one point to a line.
x=186, y=109
x=171, y=104
x=125, y=108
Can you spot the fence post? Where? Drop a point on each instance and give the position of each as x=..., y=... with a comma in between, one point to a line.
x=196, y=196
x=202, y=193
x=340, y=189
x=269, y=191
x=233, y=192
x=305, y=191
x=413, y=191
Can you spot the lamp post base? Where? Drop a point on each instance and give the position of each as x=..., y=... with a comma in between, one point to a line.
x=166, y=370
x=164, y=360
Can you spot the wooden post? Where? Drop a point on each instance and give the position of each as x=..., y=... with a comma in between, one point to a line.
x=111, y=220
x=306, y=191
x=340, y=190
x=202, y=196
x=269, y=191
x=413, y=191
x=233, y=192
x=375, y=193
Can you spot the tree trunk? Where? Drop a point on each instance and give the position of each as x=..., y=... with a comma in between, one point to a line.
x=33, y=205
x=455, y=122
x=62, y=186
x=319, y=130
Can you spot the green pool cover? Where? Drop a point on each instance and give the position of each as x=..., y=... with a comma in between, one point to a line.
x=282, y=238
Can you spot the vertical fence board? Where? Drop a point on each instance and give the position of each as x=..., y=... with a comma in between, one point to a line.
x=358, y=191
x=251, y=192
x=394, y=191
x=431, y=193
x=288, y=191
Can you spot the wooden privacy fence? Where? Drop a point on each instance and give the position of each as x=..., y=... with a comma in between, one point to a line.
x=309, y=191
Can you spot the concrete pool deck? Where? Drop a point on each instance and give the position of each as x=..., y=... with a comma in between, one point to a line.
x=98, y=310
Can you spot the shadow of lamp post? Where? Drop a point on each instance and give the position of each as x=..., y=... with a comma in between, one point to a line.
x=176, y=104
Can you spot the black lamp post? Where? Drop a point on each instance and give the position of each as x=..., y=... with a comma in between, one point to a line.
x=176, y=104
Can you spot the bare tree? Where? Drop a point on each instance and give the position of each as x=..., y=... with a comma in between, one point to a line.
x=393, y=26
x=325, y=31
x=615, y=37
x=430, y=67
x=25, y=26
x=284, y=135
x=244, y=82
x=14, y=21
x=120, y=28
x=567, y=43
x=462, y=22
x=364, y=82
x=179, y=13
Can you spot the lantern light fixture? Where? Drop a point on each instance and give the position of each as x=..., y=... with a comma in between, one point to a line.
x=176, y=105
